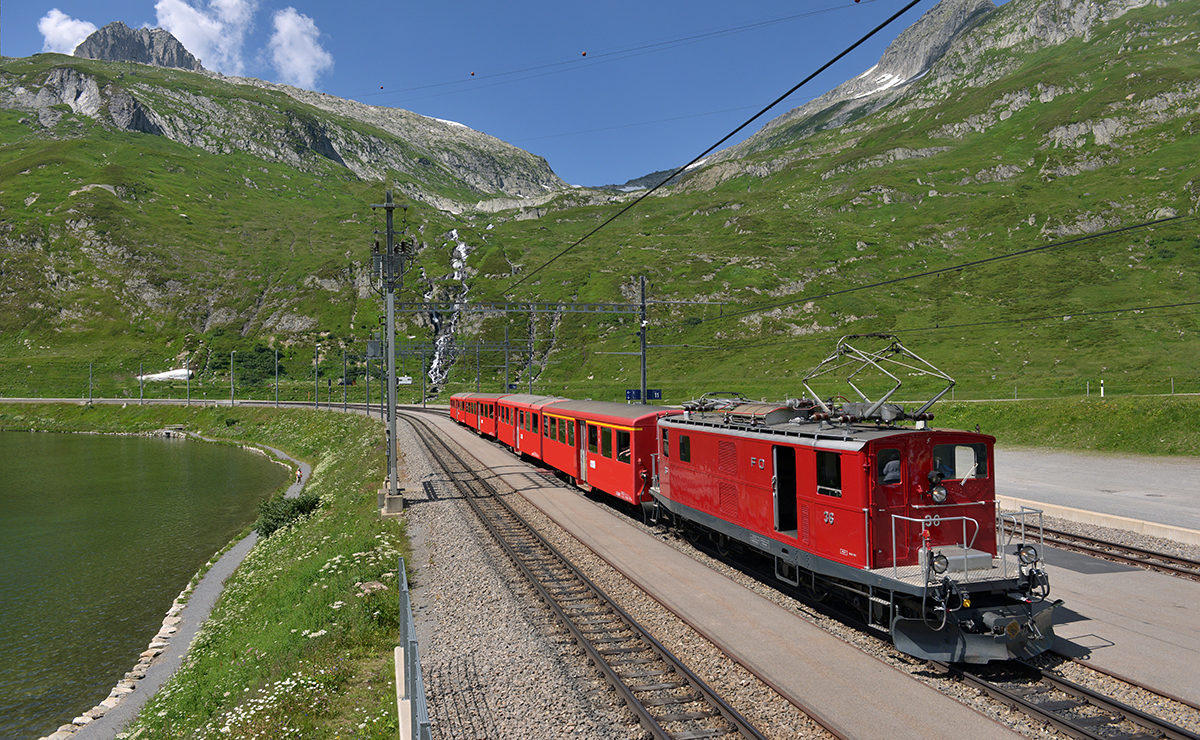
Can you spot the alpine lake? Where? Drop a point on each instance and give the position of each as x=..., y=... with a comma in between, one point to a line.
x=98, y=534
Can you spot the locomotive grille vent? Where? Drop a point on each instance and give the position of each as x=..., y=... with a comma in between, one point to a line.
x=727, y=457
x=729, y=498
x=805, y=537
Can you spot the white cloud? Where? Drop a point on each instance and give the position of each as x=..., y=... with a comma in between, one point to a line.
x=214, y=31
x=296, y=51
x=62, y=33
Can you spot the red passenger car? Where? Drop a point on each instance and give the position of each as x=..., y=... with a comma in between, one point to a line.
x=603, y=446
x=521, y=425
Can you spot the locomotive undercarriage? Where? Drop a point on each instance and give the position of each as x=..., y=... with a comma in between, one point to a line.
x=944, y=619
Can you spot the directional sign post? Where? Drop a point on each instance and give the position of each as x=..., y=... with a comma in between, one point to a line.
x=633, y=394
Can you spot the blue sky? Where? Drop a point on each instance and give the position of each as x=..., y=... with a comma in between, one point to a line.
x=604, y=91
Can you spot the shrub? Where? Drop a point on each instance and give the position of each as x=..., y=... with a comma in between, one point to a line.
x=279, y=512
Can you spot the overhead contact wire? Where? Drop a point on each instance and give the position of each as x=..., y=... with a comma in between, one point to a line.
x=938, y=271
x=723, y=139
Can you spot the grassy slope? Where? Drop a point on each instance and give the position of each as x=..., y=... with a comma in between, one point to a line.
x=831, y=215
x=290, y=649
x=798, y=233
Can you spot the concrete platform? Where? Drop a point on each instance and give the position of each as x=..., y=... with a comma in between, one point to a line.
x=1136, y=624
x=1119, y=489
x=852, y=692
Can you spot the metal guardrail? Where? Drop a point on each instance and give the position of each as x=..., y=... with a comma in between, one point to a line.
x=411, y=707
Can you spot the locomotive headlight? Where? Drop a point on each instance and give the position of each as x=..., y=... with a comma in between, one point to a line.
x=938, y=494
x=939, y=563
x=1027, y=554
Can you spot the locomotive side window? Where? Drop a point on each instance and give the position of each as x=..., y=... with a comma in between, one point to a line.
x=961, y=461
x=593, y=439
x=666, y=448
x=606, y=442
x=888, y=462
x=622, y=446
x=685, y=448
x=829, y=474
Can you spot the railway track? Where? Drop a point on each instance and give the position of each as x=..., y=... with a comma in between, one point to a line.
x=1127, y=554
x=1070, y=707
x=668, y=700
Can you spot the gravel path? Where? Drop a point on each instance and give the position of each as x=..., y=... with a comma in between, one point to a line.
x=169, y=647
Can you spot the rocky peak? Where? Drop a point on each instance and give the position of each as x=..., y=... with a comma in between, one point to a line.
x=117, y=42
x=906, y=59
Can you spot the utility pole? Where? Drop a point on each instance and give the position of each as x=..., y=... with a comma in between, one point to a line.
x=390, y=265
x=276, y=377
x=317, y=376
x=642, y=334
x=187, y=366
x=529, y=367
x=141, y=383
x=477, y=367
x=505, y=388
x=231, y=377
x=343, y=380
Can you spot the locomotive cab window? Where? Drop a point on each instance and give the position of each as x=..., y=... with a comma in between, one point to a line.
x=961, y=461
x=666, y=448
x=622, y=446
x=888, y=464
x=829, y=474
x=685, y=448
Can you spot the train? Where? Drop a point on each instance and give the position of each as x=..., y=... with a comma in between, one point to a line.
x=861, y=499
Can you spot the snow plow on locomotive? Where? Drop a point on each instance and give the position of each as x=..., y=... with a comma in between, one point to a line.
x=900, y=520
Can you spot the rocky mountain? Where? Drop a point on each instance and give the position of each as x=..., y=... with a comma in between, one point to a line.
x=175, y=211
x=441, y=162
x=910, y=57
x=117, y=42
x=956, y=45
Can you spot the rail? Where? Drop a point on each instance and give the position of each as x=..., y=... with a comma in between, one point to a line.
x=666, y=697
x=1074, y=709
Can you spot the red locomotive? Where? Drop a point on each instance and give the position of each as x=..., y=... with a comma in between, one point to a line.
x=901, y=520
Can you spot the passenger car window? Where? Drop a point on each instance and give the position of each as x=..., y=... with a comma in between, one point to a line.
x=593, y=438
x=606, y=442
x=622, y=446
x=829, y=474
x=571, y=434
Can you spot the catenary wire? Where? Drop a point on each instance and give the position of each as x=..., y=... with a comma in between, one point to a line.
x=909, y=6
x=937, y=271
x=1137, y=310
x=538, y=70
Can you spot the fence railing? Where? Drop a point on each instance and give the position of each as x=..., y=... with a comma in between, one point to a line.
x=410, y=686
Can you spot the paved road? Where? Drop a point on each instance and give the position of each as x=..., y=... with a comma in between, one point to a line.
x=1156, y=489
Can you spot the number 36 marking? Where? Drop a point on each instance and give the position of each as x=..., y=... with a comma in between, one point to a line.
x=829, y=517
